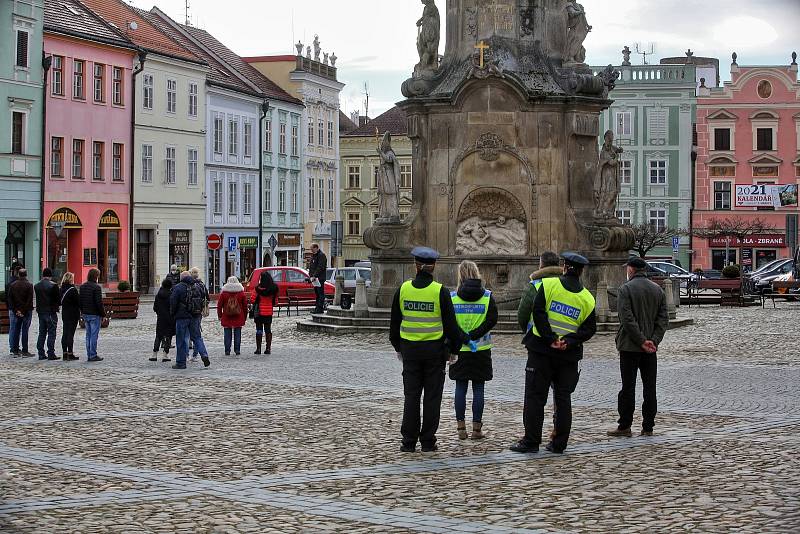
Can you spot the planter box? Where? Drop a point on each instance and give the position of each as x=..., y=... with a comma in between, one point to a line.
x=124, y=305
x=4, y=320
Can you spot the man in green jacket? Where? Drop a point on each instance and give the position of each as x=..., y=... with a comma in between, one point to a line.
x=643, y=321
x=549, y=267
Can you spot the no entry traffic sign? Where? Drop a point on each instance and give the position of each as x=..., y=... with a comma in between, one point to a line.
x=214, y=242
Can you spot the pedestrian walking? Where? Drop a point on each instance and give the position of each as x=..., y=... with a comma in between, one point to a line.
x=549, y=267
x=48, y=300
x=476, y=314
x=165, y=322
x=643, y=321
x=232, y=314
x=174, y=275
x=266, y=298
x=186, y=306
x=195, y=272
x=70, y=315
x=422, y=319
x=19, y=298
x=562, y=320
x=92, y=311
x=317, y=269
x=12, y=317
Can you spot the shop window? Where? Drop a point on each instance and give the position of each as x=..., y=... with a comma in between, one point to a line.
x=179, y=248
x=108, y=255
x=718, y=261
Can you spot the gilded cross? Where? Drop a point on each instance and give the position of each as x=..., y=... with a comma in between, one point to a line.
x=482, y=46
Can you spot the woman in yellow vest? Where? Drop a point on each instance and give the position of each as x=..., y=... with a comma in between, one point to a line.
x=476, y=313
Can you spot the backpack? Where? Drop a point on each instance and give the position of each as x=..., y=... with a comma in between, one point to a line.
x=195, y=299
x=232, y=308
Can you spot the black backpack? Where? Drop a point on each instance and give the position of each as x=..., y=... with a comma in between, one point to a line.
x=195, y=299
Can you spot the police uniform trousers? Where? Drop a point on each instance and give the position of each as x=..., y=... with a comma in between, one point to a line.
x=422, y=375
x=542, y=371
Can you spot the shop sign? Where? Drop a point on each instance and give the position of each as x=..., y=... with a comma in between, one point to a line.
x=214, y=242
x=248, y=242
x=64, y=217
x=109, y=220
x=766, y=196
x=179, y=236
x=758, y=241
x=288, y=240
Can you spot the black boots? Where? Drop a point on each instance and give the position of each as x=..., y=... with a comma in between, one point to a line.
x=259, y=337
x=268, y=344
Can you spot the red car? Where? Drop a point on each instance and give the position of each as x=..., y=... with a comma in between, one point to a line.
x=286, y=278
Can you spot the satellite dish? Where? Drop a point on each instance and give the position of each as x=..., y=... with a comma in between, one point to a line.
x=133, y=26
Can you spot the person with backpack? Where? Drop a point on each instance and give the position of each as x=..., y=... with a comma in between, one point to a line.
x=266, y=298
x=186, y=306
x=165, y=323
x=195, y=272
x=232, y=313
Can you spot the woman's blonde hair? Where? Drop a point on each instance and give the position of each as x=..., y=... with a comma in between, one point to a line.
x=68, y=278
x=468, y=270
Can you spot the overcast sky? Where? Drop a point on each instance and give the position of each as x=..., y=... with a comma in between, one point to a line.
x=375, y=39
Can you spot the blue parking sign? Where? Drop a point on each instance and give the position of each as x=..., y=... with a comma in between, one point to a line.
x=232, y=242
x=676, y=243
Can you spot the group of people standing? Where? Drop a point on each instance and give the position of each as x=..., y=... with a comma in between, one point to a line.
x=431, y=327
x=180, y=308
x=74, y=304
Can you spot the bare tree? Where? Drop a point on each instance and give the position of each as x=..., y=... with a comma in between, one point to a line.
x=737, y=227
x=648, y=236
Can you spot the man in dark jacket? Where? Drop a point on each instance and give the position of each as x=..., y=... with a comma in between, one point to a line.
x=92, y=311
x=12, y=317
x=317, y=269
x=643, y=321
x=48, y=299
x=423, y=331
x=20, y=302
x=174, y=275
x=186, y=307
x=563, y=319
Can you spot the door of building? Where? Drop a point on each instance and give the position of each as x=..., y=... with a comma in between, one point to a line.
x=58, y=252
x=144, y=269
x=108, y=255
x=15, y=244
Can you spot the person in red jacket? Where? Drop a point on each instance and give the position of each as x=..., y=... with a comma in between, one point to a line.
x=266, y=298
x=232, y=313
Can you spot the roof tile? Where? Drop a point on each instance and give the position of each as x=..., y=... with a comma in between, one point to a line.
x=393, y=121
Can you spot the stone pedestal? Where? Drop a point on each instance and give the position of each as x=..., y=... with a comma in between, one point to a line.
x=360, y=307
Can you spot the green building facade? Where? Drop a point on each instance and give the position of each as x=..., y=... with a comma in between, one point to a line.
x=653, y=114
x=21, y=75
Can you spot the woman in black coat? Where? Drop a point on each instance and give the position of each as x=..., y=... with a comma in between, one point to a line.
x=165, y=324
x=470, y=303
x=70, y=315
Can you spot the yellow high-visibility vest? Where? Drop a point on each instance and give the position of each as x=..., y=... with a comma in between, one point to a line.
x=566, y=311
x=422, y=315
x=470, y=315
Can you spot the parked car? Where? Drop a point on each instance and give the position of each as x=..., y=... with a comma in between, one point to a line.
x=778, y=271
x=350, y=274
x=286, y=278
x=674, y=272
x=769, y=267
x=365, y=264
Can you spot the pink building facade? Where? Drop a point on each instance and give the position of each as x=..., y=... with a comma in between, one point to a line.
x=748, y=164
x=88, y=155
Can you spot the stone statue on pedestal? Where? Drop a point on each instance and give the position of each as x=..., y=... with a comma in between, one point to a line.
x=317, y=48
x=388, y=183
x=428, y=39
x=577, y=31
x=607, y=184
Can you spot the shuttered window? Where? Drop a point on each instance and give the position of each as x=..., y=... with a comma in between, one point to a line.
x=22, y=48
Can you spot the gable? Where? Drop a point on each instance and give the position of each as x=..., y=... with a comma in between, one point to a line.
x=722, y=115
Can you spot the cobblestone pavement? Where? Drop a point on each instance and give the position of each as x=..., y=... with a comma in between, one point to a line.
x=306, y=440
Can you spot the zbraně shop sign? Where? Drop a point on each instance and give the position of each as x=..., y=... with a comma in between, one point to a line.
x=753, y=241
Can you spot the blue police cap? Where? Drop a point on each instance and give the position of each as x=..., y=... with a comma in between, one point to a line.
x=425, y=255
x=574, y=258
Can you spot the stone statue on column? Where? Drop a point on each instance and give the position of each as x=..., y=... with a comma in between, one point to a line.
x=317, y=48
x=577, y=30
x=388, y=183
x=428, y=39
x=607, y=184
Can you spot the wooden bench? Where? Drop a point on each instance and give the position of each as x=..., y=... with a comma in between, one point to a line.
x=729, y=290
x=300, y=297
x=772, y=292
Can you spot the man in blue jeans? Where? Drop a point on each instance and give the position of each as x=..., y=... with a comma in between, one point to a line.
x=186, y=306
x=92, y=311
x=48, y=300
x=19, y=297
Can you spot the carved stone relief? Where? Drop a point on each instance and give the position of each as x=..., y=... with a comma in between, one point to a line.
x=491, y=221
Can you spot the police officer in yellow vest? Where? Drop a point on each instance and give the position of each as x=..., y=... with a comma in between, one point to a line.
x=563, y=319
x=422, y=331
